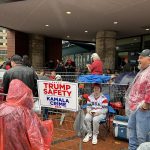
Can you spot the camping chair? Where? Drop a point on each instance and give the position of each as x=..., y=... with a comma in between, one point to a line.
x=105, y=123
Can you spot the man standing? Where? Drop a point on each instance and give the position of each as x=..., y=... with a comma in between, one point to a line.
x=70, y=65
x=138, y=103
x=21, y=72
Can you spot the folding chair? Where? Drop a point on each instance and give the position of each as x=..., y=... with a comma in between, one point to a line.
x=105, y=123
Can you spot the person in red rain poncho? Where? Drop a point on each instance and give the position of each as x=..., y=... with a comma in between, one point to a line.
x=20, y=127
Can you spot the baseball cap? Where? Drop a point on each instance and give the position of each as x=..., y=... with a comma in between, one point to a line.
x=98, y=85
x=145, y=52
x=58, y=77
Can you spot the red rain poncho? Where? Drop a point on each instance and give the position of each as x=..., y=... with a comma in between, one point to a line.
x=20, y=127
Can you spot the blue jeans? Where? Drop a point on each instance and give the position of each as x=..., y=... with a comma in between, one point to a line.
x=139, y=128
x=45, y=113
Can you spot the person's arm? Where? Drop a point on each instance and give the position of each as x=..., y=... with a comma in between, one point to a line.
x=66, y=65
x=6, y=81
x=92, y=66
x=38, y=132
x=89, y=107
x=73, y=65
x=35, y=84
x=88, y=66
x=146, y=104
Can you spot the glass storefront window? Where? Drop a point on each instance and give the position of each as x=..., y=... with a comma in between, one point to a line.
x=129, y=44
x=127, y=49
x=146, y=42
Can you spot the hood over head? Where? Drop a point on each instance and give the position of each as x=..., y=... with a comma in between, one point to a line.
x=19, y=94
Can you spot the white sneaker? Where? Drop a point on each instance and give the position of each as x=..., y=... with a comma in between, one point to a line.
x=87, y=138
x=94, y=140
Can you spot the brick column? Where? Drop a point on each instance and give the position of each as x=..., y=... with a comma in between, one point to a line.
x=10, y=43
x=105, y=47
x=36, y=53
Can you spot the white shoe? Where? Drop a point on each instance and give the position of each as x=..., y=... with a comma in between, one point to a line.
x=94, y=140
x=87, y=138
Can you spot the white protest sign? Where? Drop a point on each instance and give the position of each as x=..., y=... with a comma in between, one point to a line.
x=58, y=94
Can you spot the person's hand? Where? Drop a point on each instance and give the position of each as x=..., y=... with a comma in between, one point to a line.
x=113, y=76
x=145, y=106
x=96, y=114
x=91, y=113
x=87, y=65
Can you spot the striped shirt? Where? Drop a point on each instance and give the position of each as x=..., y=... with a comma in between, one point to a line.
x=99, y=105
